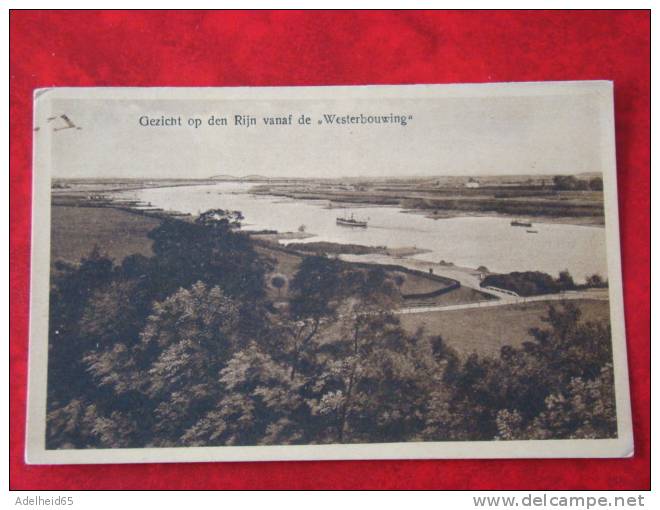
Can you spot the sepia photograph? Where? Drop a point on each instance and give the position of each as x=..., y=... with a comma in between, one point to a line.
x=355, y=272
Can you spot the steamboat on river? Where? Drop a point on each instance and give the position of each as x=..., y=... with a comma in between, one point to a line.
x=351, y=222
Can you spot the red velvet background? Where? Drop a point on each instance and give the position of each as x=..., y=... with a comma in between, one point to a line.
x=340, y=48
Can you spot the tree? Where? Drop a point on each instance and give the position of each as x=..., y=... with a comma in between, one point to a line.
x=78, y=425
x=527, y=283
x=207, y=251
x=137, y=267
x=596, y=281
x=581, y=185
x=320, y=287
x=564, y=182
x=71, y=288
x=316, y=287
x=399, y=280
x=112, y=314
x=596, y=184
x=278, y=281
x=565, y=280
x=175, y=366
x=584, y=410
x=364, y=376
x=70, y=426
x=372, y=382
x=220, y=218
x=259, y=404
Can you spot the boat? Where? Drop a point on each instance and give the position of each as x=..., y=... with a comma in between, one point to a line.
x=532, y=231
x=351, y=222
x=519, y=223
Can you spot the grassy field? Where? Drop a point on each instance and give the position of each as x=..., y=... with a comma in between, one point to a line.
x=457, y=297
x=486, y=330
x=417, y=284
x=76, y=230
x=286, y=264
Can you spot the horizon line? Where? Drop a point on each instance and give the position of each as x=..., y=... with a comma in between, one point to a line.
x=281, y=177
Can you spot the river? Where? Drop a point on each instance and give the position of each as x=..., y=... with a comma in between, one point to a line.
x=465, y=241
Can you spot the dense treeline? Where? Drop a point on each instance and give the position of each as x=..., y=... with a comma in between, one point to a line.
x=572, y=183
x=184, y=348
x=530, y=283
x=535, y=283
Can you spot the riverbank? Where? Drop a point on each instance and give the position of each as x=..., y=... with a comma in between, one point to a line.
x=467, y=276
x=584, y=221
x=436, y=200
x=414, y=287
x=329, y=248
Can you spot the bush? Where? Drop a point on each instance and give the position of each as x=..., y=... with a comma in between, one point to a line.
x=530, y=283
x=596, y=184
x=278, y=281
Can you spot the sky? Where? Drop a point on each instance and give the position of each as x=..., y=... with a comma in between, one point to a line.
x=503, y=135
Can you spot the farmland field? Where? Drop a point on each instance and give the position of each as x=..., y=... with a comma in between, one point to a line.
x=76, y=230
x=485, y=331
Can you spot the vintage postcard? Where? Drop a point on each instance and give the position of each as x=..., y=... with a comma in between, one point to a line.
x=373, y=272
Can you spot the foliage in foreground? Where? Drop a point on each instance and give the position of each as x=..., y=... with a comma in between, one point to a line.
x=184, y=349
